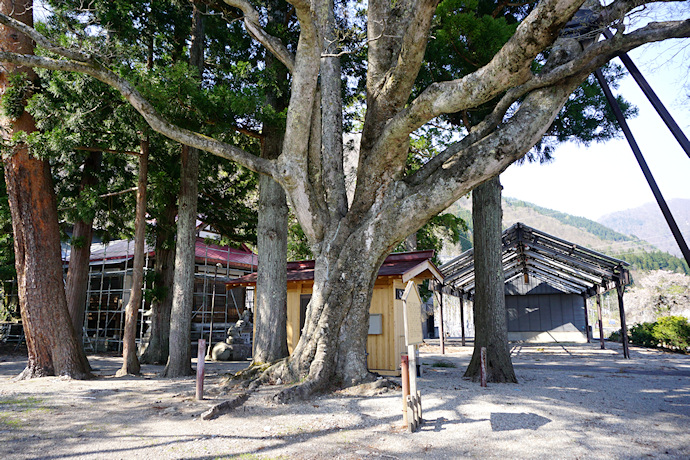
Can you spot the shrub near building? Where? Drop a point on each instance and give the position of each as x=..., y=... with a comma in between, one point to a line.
x=670, y=332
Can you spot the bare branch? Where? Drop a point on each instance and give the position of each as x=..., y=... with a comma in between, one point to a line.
x=43, y=41
x=343, y=53
x=271, y=43
x=121, y=192
x=144, y=107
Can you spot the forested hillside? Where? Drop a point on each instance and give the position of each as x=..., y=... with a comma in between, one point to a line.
x=641, y=254
x=647, y=222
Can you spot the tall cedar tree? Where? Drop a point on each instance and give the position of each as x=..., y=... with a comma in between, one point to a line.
x=463, y=43
x=224, y=188
x=51, y=340
x=350, y=240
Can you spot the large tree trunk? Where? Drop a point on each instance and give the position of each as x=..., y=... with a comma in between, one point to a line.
x=270, y=318
x=130, y=362
x=180, y=357
x=77, y=280
x=155, y=349
x=331, y=351
x=270, y=314
x=51, y=342
x=491, y=330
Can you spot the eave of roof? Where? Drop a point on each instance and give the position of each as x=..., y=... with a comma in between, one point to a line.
x=530, y=251
x=121, y=250
x=407, y=265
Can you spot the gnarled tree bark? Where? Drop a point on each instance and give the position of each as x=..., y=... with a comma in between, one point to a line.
x=350, y=241
x=50, y=338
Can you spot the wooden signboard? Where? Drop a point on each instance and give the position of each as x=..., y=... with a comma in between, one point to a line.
x=412, y=313
x=412, y=319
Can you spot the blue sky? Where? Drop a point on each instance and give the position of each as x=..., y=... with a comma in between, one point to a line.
x=603, y=178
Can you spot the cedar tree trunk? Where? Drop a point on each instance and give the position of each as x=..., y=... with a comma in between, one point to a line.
x=130, y=362
x=180, y=357
x=51, y=342
x=77, y=279
x=270, y=314
x=491, y=330
x=270, y=318
x=155, y=349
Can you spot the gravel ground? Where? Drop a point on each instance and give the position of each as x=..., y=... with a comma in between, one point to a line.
x=573, y=401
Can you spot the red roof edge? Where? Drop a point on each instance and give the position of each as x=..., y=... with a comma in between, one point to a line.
x=308, y=265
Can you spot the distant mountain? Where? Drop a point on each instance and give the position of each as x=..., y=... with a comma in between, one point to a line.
x=640, y=253
x=646, y=222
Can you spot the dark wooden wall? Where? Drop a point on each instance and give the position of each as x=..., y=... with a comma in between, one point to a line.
x=537, y=306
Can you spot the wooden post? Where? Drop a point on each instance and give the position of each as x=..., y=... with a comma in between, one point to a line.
x=405, y=376
x=412, y=371
x=624, y=327
x=601, y=321
x=201, y=353
x=462, y=319
x=413, y=336
x=213, y=312
x=589, y=332
x=482, y=364
x=441, y=329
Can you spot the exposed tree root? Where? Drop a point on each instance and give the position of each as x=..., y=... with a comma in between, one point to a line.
x=247, y=377
x=379, y=386
x=31, y=372
x=299, y=388
x=226, y=406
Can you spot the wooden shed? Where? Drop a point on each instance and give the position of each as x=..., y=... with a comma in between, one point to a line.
x=548, y=280
x=386, y=331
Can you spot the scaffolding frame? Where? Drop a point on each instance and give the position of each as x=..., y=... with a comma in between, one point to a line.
x=108, y=290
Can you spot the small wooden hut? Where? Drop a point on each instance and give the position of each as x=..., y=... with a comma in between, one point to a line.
x=386, y=331
x=548, y=280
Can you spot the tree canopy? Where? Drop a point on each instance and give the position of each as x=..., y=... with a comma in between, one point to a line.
x=527, y=81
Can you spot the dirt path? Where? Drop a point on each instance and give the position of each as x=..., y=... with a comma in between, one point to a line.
x=572, y=402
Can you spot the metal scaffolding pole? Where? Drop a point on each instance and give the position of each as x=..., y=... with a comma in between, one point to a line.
x=653, y=99
x=643, y=165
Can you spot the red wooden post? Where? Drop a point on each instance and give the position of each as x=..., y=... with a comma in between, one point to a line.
x=405, y=375
x=201, y=354
x=589, y=331
x=482, y=365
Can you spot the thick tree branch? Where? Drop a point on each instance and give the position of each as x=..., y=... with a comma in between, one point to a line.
x=398, y=82
x=43, y=41
x=144, y=107
x=592, y=58
x=82, y=63
x=273, y=44
x=331, y=118
x=292, y=165
x=509, y=67
x=476, y=163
